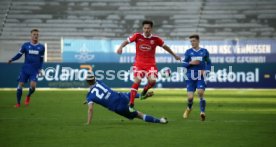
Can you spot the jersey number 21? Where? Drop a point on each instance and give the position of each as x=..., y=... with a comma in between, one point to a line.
x=100, y=92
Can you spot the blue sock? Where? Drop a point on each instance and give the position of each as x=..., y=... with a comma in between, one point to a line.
x=31, y=91
x=148, y=118
x=18, y=94
x=190, y=103
x=202, y=104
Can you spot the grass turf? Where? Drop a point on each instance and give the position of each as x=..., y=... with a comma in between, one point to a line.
x=57, y=118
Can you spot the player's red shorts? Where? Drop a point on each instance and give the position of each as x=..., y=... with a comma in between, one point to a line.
x=141, y=71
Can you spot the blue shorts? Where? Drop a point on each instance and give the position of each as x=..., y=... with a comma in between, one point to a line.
x=25, y=77
x=192, y=85
x=123, y=109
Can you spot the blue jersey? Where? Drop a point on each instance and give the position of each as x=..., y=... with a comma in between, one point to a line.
x=202, y=55
x=103, y=95
x=34, y=54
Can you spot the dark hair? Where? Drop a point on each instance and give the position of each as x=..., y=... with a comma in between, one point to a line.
x=147, y=22
x=196, y=36
x=34, y=30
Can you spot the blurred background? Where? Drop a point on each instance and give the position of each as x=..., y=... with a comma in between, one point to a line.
x=82, y=35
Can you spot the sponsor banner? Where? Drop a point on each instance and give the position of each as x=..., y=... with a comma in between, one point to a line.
x=230, y=51
x=117, y=75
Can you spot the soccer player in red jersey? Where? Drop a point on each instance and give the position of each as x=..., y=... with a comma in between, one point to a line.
x=145, y=64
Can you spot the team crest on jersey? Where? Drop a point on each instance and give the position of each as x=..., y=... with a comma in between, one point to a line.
x=152, y=42
x=145, y=47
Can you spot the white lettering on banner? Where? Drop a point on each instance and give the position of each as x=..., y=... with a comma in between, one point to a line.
x=251, y=59
x=217, y=59
x=222, y=76
x=59, y=73
x=225, y=49
x=225, y=75
x=50, y=74
x=230, y=59
x=254, y=49
x=213, y=49
x=238, y=59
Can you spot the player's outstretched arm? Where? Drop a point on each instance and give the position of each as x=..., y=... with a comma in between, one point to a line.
x=169, y=50
x=90, y=113
x=16, y=57
x=120, y=49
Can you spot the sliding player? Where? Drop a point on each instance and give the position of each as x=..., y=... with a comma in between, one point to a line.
x=117, y=102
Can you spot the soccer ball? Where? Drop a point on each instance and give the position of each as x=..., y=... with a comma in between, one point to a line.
x=165, y=72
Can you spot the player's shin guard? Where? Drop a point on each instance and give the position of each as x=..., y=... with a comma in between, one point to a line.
x=18, y=94
x=202, y=104
x=147, y=87
x=133, y=93
x=190, y=103
x=148, y=118
x=31, y=91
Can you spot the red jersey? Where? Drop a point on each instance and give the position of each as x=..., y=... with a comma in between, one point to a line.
x=145, y=48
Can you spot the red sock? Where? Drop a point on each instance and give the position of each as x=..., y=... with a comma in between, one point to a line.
x=133, y=92
x=148, y=86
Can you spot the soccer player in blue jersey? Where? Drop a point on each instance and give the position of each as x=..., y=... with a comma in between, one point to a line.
x=34, y=55
x=114, y=101
x=198, y=65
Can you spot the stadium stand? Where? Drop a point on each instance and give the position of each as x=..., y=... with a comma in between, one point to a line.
x=176, y=19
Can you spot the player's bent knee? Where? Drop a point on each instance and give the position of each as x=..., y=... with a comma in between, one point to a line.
x=33, y=89
x=190, y=99
x=190, y=95
x=200, y=93
x=139, y=115
x=20, y=85
x=152, y=81
x=137, y=80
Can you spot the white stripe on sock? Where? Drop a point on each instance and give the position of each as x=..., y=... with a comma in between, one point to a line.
x=144, y=117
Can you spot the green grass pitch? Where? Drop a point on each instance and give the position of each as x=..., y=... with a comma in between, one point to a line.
x=56, y=118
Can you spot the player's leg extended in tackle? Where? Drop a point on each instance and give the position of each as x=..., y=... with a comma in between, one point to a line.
x=133, y=92
x=152, y=75
x=139, y=73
